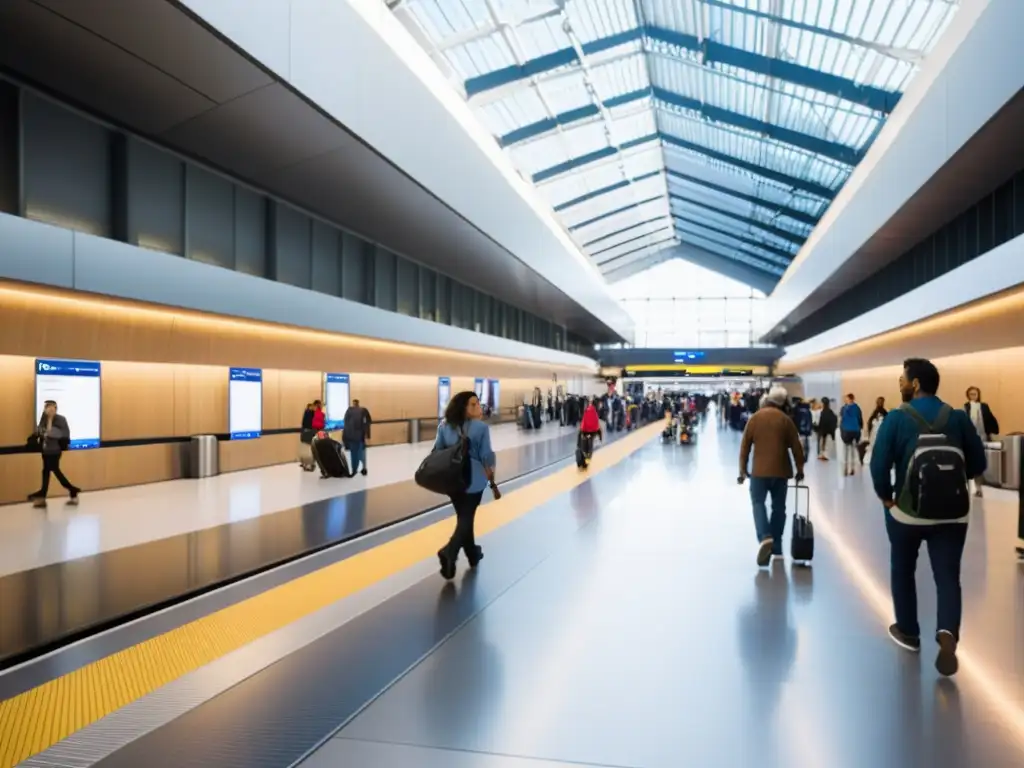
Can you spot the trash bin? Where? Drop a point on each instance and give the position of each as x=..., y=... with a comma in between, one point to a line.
x=1012, y=447
x=203, y=457
x=994, y=467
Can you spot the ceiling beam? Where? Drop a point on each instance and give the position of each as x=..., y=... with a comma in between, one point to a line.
x=709, y=52
x=702, y=257
x=782, y=234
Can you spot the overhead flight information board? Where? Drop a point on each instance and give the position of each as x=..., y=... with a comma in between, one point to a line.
x=75, y=386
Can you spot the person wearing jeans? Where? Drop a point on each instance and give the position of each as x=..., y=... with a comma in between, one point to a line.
x=773, y=437
x=463, y=421
x=894, y=447
x=354, y=435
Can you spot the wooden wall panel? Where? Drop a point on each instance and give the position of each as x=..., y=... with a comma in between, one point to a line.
x=200, y=400
x=17, y=406
x=47, y=322
x=135, y=399
x=236, y=455
x=294, y=390
x=994, y=373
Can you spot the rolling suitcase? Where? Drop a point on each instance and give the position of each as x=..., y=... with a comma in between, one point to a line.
x=801, y=546
x=330, y=457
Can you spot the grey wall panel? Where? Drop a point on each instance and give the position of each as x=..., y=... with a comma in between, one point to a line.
x=66, y=166
x=407, y=288
x=428, y=294
x=292, y=247
x=10, y=151
x=385, y=274
x=250, y=232
x=211, y=218
x=117, y=269
x=156, y=198
x=36, y=253
x=353, y=269
x=326, y=259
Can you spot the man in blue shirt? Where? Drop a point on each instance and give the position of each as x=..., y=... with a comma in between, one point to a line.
x=851, y=423
x=894, y=448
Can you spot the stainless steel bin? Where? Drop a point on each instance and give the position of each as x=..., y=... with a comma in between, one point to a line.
x=203, y=456
x=1012, y=448
x=994, y=468
x=414, y=430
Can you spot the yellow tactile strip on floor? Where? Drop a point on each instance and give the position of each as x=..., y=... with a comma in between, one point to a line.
x=43, y=716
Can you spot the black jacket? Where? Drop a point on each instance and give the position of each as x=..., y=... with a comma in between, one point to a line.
x=990, y=422
x=357, y=425
x=828, y=422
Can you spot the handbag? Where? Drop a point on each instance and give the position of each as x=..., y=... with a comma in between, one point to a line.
x=446, y=471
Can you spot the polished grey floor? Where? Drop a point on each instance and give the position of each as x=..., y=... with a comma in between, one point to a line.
x=654, y=641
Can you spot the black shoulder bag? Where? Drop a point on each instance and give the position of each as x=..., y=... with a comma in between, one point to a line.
x=446, y=470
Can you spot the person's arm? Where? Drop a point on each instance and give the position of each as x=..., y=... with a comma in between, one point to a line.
x=487, y=456
x=745, y=449
x=860, y=419
x=883, y=456
x=796, y=447
x=439, y=439
x=367, y=421
x=975, y=461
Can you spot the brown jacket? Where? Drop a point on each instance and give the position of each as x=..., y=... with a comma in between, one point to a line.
x=773, y=435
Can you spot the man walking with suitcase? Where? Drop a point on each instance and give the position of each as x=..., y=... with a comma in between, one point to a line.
x=773, y=436
x=935, y=451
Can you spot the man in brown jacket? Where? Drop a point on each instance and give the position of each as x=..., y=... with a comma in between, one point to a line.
x=773, y=436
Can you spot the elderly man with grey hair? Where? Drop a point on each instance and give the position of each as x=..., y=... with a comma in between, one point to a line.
x=773, y=436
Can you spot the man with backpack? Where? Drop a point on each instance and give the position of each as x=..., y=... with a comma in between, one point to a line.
x=804, y=420
x=935, y=451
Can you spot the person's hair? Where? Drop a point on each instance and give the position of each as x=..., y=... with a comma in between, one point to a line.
x=825, y=402
x=970, y=389
x=455, y=413
x=356, y=401
x=47, y=403
x=924, y=371
x=850, y=396
x=317, y=404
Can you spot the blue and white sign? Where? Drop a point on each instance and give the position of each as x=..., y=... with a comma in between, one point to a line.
x=683, y=356
x=494, y=396
x=481, y=389
x=444, y=394
x=245, y=403
x=75, y=386
x=337, y=394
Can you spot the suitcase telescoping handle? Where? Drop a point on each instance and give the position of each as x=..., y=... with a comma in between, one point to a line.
x=797, y=488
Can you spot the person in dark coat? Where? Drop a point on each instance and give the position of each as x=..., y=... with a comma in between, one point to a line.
x=981, y=417
x=53, y=436
x=355, y=433
x=828, y=423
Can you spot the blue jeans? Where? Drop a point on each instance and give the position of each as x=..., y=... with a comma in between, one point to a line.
x=358, y=451
x=945, y=551
x=760, y=488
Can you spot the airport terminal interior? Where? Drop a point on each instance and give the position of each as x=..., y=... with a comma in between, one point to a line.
x=511, y=383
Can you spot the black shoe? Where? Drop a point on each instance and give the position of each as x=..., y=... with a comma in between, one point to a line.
x=946, y=662
x=476, y=557
x=904, y=641
x=447, y=564
x=764, y=552
x=363, y=472
x=36, y=495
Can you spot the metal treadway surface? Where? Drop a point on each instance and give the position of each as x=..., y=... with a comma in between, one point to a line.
x=626, y=624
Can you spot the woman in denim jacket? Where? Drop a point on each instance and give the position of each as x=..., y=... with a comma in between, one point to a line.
x=463, y=417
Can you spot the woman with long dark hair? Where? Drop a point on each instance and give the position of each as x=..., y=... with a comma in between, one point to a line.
x=985, y=424
x=462, y=419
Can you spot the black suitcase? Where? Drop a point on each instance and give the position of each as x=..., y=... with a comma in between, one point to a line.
x=801, y=546
x=330, y=457
x=581, y=459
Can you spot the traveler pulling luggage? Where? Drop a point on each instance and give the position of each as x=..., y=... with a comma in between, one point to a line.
x=801, y=545
x=329, y=456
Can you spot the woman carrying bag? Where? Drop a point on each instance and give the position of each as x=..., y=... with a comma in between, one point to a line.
x=985, y=424
x=461, y=466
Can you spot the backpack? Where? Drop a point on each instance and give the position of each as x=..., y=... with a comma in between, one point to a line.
x=935, y=487
x=804, y=421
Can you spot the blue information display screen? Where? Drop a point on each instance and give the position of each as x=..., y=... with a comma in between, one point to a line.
x=444, y=394
x=482, y=390
x=245, y=403
x=337, y=394
x=75, y=386
x=683, y=356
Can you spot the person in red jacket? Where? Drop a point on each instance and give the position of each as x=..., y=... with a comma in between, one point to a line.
x=589, y=426
x=319, y=419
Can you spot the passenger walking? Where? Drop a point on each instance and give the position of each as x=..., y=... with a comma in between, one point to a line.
x=851, y=424
x=53, y=435
x=355, y=433
x=306, y=434
x=874, y=421
x=462, y=420
x=803, y=418
x=935, y=451
x=984, y=422
x=590, y=427
x=773, y=436
x=827, y=425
